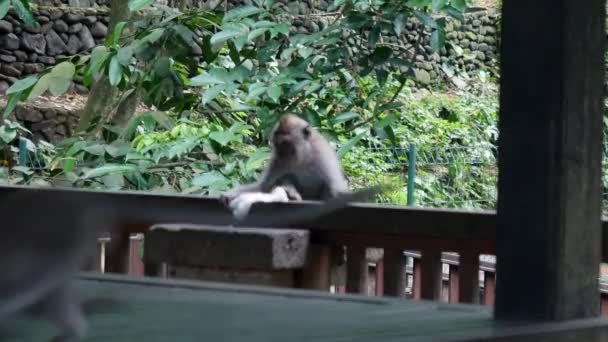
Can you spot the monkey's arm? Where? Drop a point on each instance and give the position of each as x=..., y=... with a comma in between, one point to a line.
x=266, y=183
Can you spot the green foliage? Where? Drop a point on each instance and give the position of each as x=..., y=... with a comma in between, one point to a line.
x=211, y=114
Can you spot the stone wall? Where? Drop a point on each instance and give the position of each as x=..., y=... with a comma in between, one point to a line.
x=61, y=33
x=69, y=30
x=47, y=121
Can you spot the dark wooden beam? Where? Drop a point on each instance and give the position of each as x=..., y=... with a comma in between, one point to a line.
x=548, y=233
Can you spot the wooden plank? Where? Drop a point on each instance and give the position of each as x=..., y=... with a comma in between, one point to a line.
x=417, y=274
x=158, y=310
x=421, y=227
x=356, y=269
x=552, y=105
x=394, y=272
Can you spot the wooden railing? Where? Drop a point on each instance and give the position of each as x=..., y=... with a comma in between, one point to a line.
x=429, y=232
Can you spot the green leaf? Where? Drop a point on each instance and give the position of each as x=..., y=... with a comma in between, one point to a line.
x=282, y=28
x=217, y=40
x=356, y=20
x=4, y=6
x=346, y=116
x=256, y=33
x=21, y=7
x=118, y=148
x=205, y=79
x=257, y=159
x=373, y=37
x=386, y=121
x=117, y=33
x=115, y=74
x=439, y=4
x=352, y=142
x=454, y=13
x=135, y=5
x=425, y=19
x=438, y=38
x=212, y=93
x=233, y=52
x=11, y=103
x=222, y=137
x=7, y=134
x=275, y=93
x=241, y=12
x=96, y=149
x=460, y=5
x=209, y=179
x=399, y=23
x=382, y=76
x=125, y=55
x=113, y=181
x=381, y=54
x=69, y=164
x=22, y=84
x=418, y=3
x=61, y=78
x=109, y=169
x=40, y=87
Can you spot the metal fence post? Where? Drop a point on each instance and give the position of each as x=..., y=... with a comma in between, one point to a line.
x=22, y=152
x=411, y=174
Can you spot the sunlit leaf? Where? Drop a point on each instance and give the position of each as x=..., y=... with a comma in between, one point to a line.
x=109, y=169
x=22, y=84
x=275, y=93
x=241, y=12
x=115, y=72
x=4, y=6
x=222, y=137
x=135, y=5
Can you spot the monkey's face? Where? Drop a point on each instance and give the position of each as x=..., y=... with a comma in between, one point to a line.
x=290, y=138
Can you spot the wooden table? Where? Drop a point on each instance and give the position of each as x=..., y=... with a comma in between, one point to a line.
x=183, y=311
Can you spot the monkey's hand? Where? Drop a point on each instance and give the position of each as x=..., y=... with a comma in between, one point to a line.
x=241, y=204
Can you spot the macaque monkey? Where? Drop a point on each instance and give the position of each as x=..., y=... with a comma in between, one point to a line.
x=303, y=165
x=41, y=253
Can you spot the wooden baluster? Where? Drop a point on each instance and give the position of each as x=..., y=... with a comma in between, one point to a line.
x=454, y=284
x=468, y=287
x=417, y=290
x=431, y=276
x=380, y=277
x=489, y=288
x=356, y=270
x=394, y=272
x=118, y=252
x=136, y=265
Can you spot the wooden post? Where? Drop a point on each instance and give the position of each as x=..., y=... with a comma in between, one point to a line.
x=468, y=287
x=356, y=270
x=548, y=233
x=394, y=272
x=431, y=275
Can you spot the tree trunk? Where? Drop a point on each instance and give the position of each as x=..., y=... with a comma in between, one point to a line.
x=102, y=93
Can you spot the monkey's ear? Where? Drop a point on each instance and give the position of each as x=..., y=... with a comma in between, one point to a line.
x=306, y=131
